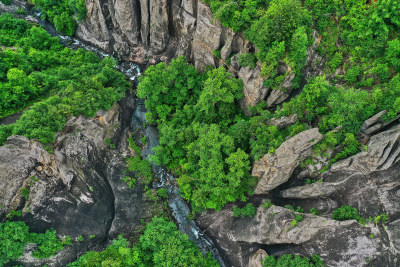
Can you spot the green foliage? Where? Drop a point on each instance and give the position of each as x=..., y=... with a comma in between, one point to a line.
x=279, y=23
x=6, y=2
x=237, y=15
x=247, y=59
x=162, y=192
x=25, y=192
x=141, y=167
x=200, y=131
x=215, y=174
x=63, y=13
x=392, y=54
x=130, y=181
x=48, y=244
x=296, y=220
x=267, y=204
x=248, y=211
x=161, y=244
x=14, y=236
x=380, y=218
x=217, y=53
x=38, y=68
x=347, y=213
x=292, y=260
x=314, y=211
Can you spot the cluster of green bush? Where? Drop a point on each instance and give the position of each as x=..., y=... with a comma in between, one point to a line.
x=35, y=67
x=15, y=235
x=161, y=244
x=64, y=14
x=137, y=164
x=248, y=211
x=200, y=128
x=293, y=260
x=350, y=213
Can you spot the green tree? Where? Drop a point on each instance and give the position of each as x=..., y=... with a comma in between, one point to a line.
x=217, y=100
x=279, y=23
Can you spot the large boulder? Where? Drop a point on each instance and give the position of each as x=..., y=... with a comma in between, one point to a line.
x=276, y=169
x=346, y=243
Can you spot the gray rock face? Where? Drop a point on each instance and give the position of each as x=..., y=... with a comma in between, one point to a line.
x=339, y=243
x=284, y=121
x=257, y=258
x=207, y=37
x=159, y=33
x=137, y=30
x=254, y=89
x=279, y=95
x=78, y=189
x=383, y=151
x=94, y=28
x=276, y=169
x=376, y=123
x=125, y=17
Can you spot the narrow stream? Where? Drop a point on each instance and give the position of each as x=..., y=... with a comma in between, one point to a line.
x=178, y=205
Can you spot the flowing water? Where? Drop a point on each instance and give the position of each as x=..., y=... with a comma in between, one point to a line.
x=178, y=205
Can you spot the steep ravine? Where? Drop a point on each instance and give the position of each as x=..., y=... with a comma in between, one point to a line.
x=82, y=160
x=368, y=180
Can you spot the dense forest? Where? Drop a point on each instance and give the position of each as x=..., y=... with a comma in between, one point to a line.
x=205, y=138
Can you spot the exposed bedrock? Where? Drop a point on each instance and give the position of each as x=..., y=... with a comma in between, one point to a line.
x=78, y=189
x=149, y=31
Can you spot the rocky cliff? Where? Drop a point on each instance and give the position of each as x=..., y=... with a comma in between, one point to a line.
x=77, y=190
x=150, y=31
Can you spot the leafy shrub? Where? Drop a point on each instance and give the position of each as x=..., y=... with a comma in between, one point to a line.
x=314, y=211
x=161, y=244
x=15, y=235
x=194, y=112
x=292, y=260
x=347, y=213
x=141, y=167
x=267, y=204
x=162, y=192
x=248, y=211
x=6, y=2
x=247, y=59
x=217, y=53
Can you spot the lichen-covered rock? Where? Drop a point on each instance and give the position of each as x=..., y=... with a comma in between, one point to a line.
x=276, y=169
